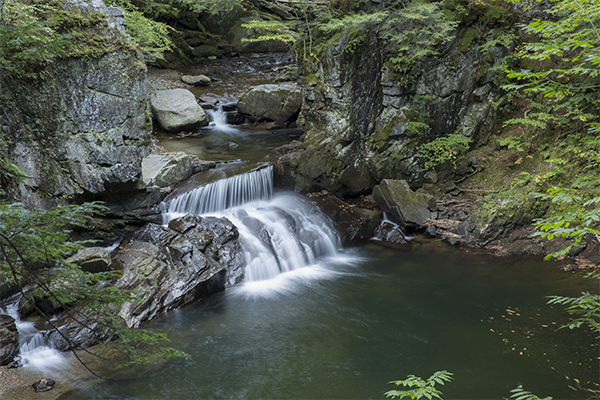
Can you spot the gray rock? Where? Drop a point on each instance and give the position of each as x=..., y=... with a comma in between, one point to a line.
x=402, y=204
x=274, y=102
x=172, y=266
x=92, y=112
x=196, y=80
x=9, y=340
x=92, y=259
x=170, y=168
x=390, y=232
x=177, y=110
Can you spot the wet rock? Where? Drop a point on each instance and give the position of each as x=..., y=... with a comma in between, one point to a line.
x=174, y=265
x=177, y=110
x=402, y=204
x=9, y=340
x=43, y=385
x=273, y=102
x=354, y=224
x=170, y=168
x=74, y=335
x=390, y=232
x=196, y=80
x=92, y=259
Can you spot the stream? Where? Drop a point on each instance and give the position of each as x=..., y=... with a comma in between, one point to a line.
x=315, y=320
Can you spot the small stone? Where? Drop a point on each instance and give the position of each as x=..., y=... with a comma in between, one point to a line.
x=196, y=80
x=43, y=385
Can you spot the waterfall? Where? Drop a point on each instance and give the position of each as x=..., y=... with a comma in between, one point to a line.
x=34, y=349
x=218, y=121
x=224, y=194
x=278, y=233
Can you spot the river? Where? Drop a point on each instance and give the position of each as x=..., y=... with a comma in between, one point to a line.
x=339, y=323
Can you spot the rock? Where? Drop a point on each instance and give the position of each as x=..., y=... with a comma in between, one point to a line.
x=174, y=265
x=177, y=110
x=9, y=340
x=96, y=128
x=43, y=385
x=170, y=168
x=92, y=259
x=390, y=232
x=274, y=102
x=75, y=335
x=196, y=80
x=354, y=224
x=402, y=204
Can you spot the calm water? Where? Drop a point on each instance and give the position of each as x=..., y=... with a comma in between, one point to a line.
x=346, y=326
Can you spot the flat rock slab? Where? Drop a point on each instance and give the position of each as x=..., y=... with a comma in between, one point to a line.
x=196, y=80
x=170, y=168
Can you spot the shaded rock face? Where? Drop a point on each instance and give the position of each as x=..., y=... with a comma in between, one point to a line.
x=9, y=340
x=92, y=259
x=354, y=224
x=177, y=110
x=402, y=204
x=192, y=258
x=356, y=116
x=273, y=102
x=80, y=131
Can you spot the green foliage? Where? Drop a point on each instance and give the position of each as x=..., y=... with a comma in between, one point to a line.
x=34, y=246
x=520, y=394
x=442, y=149
x=150, y=36
x=561, y=64
x=511, y=142
x=415, y=32
x=586, y=307
x=269, y=30
x=422, y=388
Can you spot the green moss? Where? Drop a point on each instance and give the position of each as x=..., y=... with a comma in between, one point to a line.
x=469, y=37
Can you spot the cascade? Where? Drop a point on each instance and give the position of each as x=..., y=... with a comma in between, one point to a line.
x=35, y=350
x=278, y=233
x=218, y=121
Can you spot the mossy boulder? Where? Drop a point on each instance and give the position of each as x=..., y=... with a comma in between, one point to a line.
x=403, y=205
x=273, y=102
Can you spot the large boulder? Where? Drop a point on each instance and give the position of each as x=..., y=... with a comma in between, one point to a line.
x=402, y=205
x=274, y=102
x=9, y=340
x=171, y=266
x=170, y=168
x=177, y=110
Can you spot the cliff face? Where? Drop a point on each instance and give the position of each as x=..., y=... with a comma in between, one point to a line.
x=356, y=115
x=79, y=130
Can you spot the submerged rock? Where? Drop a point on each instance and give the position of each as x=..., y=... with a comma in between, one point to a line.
x=402, y=204
x=43, y=385
x=177, y=110
x=274, y=102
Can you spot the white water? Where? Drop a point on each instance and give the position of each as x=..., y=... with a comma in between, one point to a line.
x=35, y=350
x=218, y=121
x=278, y=234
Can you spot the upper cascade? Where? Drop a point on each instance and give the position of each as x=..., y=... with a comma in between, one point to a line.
x=226, y=193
